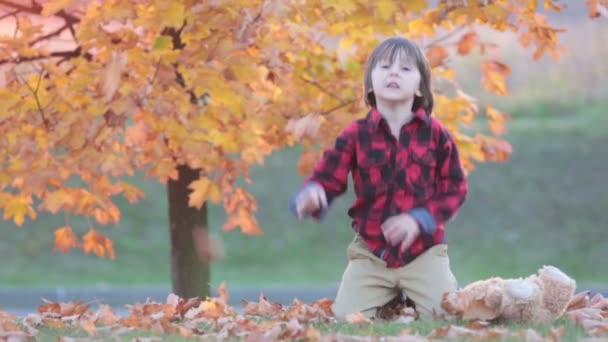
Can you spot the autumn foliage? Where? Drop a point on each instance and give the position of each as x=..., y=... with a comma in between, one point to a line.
x=92, y=91
x=213, y=318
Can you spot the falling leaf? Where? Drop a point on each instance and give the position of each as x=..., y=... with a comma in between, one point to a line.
x=436, y=55
x=467, y=42
x=209, y=247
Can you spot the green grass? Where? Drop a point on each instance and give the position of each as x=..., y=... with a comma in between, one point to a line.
x=544, y=206
x=573, y=332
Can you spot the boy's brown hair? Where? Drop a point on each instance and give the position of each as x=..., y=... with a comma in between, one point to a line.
x=389, y=49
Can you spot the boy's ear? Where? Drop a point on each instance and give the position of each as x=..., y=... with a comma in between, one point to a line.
x=418, y=93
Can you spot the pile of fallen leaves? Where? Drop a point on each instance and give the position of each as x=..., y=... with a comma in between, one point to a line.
x=213, y=318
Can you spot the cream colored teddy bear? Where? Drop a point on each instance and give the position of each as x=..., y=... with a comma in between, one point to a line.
x=540, y=298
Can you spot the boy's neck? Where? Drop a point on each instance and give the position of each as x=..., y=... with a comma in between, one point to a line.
x=396, y=115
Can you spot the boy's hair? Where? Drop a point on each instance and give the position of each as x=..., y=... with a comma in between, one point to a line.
x=389, y=49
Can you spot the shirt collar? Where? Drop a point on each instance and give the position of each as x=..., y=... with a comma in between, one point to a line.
x=375, y=117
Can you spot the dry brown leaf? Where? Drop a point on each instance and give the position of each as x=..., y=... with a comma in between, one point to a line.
x=598, y=302
x=106, y=315
x=556, y=334
x=579, y=301
x=262, y=308
x=478, y=324
x=580, y=315
x=600, y=331
x=88, y=325
x=357, y=317
x=530, y=335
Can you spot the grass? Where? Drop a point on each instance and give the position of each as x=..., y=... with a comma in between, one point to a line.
x=573, y=332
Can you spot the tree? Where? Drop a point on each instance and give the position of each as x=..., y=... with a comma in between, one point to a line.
x=193, y=93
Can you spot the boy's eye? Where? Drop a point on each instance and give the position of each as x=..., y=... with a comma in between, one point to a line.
x=405, y=68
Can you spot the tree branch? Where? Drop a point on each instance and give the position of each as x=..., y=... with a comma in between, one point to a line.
x=339, y=106
x=38, y=104
x=49, y=35
x=9, y=14
x=65, y=54
x=36, y=8
x=445, y=37
x=318, y=86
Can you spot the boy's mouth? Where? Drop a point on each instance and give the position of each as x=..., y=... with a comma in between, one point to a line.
x=393, y=85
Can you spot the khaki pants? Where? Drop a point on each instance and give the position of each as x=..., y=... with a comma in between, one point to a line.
x=368, y=284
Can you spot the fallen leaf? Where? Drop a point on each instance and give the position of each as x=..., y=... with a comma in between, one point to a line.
x=106, y=315
x=262, y=308
x=357, y=317
x=579, y=301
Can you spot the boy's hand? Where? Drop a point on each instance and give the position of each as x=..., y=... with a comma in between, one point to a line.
x=311, y=199
x=401, y=229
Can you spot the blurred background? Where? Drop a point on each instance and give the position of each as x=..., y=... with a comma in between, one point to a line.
x=545, y=206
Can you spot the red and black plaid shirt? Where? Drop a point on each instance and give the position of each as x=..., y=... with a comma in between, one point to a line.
x=420, y=173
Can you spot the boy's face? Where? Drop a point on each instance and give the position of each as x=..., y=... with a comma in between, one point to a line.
x=395, y=82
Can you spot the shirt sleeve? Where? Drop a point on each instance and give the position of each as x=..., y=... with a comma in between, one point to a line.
x=451, y=190
x=331, y=172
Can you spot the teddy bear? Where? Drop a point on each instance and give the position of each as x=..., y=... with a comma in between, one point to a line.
x=540, y=298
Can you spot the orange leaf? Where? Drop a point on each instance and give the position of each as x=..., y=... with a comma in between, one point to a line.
x=357, y=317
x=99, y=244
x=466, y=43
x=65, y=239
x=436, y=55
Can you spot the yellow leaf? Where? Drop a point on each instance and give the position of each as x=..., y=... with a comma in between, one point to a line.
x=245, y=220
x=131, y=193
x=17, y=207
x=416, y=6
x=112, y=75
x=53, y=6
x=57, y=200
x=99, y=244
x=65, y=239
x=203, y=189
x=174, y=16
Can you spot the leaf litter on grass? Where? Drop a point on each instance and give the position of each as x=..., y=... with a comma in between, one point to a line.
x=212, y=318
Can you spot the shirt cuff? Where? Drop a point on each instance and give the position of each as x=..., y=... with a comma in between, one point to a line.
x=425, y=220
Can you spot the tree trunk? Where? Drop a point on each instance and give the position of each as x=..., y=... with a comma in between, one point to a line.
x=190, y=275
